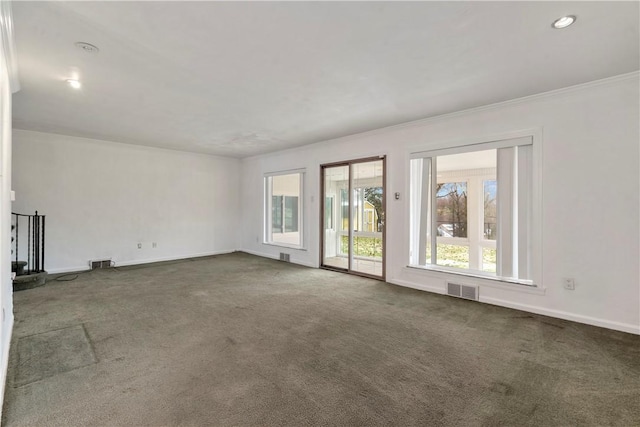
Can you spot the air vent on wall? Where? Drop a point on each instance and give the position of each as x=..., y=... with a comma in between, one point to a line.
x=103, y=263
x=462, y=291
x=284, y=257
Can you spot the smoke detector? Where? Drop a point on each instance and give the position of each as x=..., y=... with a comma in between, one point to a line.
x=87, y=47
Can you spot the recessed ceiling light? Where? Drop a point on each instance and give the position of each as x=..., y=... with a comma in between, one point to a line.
x=87, y=47
x=563, y=22
x=74, y=83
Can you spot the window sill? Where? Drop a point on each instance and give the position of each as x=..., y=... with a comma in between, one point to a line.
x=491, y=281
x=284, y=245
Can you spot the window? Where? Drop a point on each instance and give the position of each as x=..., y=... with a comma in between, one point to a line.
x=471, y=209
x=283, y=211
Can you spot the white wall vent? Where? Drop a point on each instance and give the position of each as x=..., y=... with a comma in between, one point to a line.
x=284, y=257
x=102, y=263
x=462, y=291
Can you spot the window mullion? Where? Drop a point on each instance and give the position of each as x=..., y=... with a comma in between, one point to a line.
x=505, y=210
x=473, y=221
x=424, y=225
x=300, y=217
x=268, y=211
x=283, y=213
x=432, y=216
x=525, y=183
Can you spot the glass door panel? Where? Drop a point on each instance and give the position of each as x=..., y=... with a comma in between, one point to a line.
x=367, y=213
x=336, y=217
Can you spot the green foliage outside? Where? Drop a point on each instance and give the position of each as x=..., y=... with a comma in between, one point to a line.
x=458, y=257
x=489, y=260
x=448, y=255
x=363, y=246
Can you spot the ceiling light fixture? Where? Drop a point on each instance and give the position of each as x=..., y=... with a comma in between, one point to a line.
x=74, y=83
x=563, y=22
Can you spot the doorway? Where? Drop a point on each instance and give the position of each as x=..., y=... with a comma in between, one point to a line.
x=353, y=217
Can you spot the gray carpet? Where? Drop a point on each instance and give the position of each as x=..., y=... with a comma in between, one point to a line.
x=239, y=340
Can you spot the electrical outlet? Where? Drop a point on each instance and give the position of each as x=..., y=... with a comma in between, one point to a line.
x=154, y=245
x=139, y=245
x=569, y=283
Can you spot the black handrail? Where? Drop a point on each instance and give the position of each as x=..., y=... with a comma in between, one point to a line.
x=35, y=243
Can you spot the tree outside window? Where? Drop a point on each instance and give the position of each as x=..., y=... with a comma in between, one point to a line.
x=451, y=209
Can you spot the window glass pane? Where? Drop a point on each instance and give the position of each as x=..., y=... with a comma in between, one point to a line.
x=490, y=227
x=290, y=214
x=456, y=256
x=451, y=209
x=364, y=246
x=276, y=214
x=344, y=203
x=489, y=260
x=328, y=213
x=373, y=207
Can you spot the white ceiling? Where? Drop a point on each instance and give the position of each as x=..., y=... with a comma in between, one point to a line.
x=239, y=79
x=485, y=159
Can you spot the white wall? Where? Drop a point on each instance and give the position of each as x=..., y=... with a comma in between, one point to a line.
x=590, y=182
x=102, y=198
x=8, y=85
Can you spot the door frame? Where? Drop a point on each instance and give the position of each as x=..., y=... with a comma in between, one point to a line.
x=349, y=163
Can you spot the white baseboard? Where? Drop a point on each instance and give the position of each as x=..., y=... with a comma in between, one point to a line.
x=171, y=258
x=68, y=270
x=579, y=318
x=4, y=364
x=617, y=326
x=272, y=256
x=421, y=287
x=141, y=261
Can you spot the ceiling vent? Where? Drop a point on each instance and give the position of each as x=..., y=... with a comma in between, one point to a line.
x=462, y=291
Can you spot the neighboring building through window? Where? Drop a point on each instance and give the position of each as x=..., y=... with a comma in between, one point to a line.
x=283, y=209
x=471, y=209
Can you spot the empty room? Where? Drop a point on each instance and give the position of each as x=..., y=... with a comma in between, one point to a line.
x=320, y=213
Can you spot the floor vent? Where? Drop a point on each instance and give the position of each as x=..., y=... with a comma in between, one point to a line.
x=462, y=291
x=284, y=257
x=103, y=263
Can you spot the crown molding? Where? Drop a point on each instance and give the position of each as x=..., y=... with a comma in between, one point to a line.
x=632, y=76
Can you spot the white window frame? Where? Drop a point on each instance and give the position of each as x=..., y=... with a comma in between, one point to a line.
x=529, y=137
x=267, y=215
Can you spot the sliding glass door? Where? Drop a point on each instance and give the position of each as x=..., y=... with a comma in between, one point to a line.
x=353, y=213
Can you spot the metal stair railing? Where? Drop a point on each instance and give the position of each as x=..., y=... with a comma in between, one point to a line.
x=34, y=240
